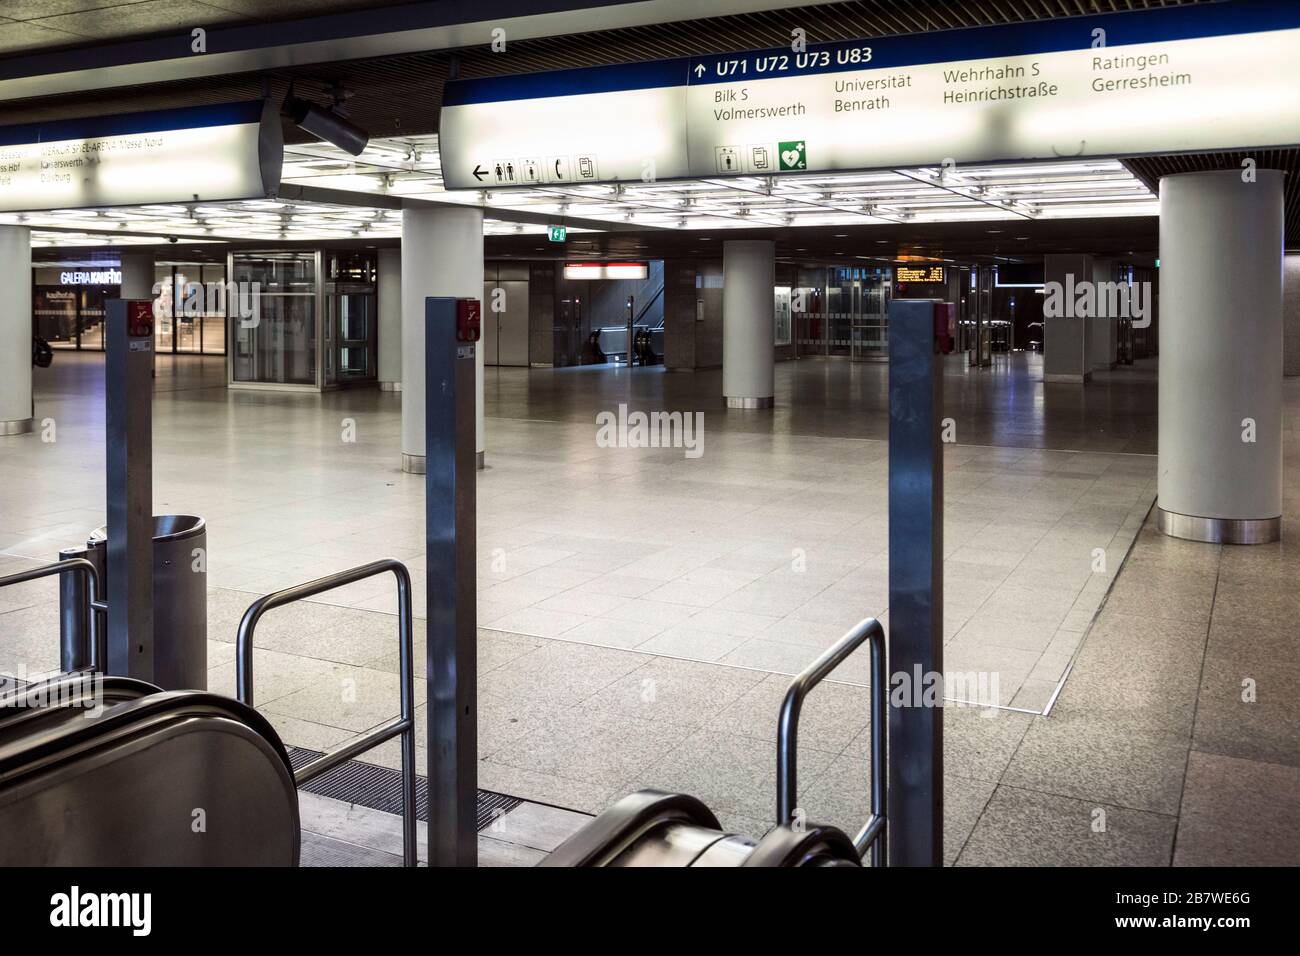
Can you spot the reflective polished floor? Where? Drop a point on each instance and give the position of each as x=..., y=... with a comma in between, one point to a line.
x=1007, y=405
x=641, y=609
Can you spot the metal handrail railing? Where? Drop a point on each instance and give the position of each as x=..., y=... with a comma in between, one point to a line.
x=872, y=835
x=95, y=603
x=403, y=725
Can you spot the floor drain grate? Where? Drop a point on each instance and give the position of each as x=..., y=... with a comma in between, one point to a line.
x=380, y=788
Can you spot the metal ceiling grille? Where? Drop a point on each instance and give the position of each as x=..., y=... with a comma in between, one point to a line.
x=400, y=95
x=1149, y=169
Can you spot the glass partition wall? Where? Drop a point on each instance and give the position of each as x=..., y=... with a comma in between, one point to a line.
x=843, y=311
x=190, y=316
x=273, y=307
x=302, y=320
x=187, y=318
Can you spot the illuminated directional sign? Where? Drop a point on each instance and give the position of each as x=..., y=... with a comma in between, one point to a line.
x=606, y=270
x=1209, y=76
x=206, y=153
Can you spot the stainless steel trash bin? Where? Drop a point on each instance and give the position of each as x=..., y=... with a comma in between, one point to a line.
x=180, y=603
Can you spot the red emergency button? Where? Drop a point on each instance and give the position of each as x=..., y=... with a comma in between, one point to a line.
x=467, y=320
x=139, y=319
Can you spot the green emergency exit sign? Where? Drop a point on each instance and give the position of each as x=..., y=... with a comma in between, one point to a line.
x=559, y=233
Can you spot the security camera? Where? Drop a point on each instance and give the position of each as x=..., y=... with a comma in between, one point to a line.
x=326, y=122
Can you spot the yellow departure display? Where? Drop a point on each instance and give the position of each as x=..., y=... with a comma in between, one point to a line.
x=931, y=274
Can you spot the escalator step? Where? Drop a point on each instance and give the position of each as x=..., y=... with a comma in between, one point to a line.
x=380, y=788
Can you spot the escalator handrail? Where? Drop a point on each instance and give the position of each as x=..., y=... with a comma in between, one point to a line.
x=872, y=835
x=80, y=744
x=69, y=691
x=628, y=819
x=55, y=743
x=124, y=687
x=654, y=297
x=784, y=846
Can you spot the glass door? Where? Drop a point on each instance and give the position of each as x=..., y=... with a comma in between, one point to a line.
x=277, y=346
x=354, y=319
x=871, y=314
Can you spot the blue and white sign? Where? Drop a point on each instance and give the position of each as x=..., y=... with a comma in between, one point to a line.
x=1213, y=76
x=207, y=153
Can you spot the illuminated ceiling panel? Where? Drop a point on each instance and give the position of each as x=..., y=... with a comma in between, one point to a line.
x=410, y=168
x=1069, y=189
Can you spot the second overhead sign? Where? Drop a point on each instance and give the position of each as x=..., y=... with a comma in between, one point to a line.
x=1102, y=86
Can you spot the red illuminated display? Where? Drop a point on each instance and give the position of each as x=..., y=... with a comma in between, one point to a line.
x=467, y=320
x=139, y=319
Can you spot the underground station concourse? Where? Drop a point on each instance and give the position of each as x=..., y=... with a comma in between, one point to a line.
x=657, y=434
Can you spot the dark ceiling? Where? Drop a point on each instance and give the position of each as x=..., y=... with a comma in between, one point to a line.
x=29, y=25
x=1131, y=239
x=400, y=95
x=1149, y=169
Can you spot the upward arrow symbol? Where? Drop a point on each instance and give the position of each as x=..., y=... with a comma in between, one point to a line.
x=699, y=70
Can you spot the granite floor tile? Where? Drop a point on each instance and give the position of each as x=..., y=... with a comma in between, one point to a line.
x=1083, y=757
x=730, y=773
x=680, y=692
x=692, y=643
x=1250, y=712
x=1238, y=813
x=1025, y=828
x=832, y=716
x=583, y=796
x=356, y=698
x=606, y=752
x=561, y=672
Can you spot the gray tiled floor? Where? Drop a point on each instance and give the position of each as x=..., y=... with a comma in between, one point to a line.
x=641, y=611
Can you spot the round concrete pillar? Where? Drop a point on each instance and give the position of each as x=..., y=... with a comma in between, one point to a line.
x=1220, y=442
x=390, y=320
x=748, y=323
x=15, y=330
x=442, y=255
x=137, y=275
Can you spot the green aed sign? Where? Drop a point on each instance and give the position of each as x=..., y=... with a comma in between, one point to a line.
x=559, y=233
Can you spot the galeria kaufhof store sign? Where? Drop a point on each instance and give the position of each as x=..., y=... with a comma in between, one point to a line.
x=1210, y=76
x=207, y=153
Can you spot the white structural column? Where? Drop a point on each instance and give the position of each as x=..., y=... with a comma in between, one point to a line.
x=1221, y=242
x=748, y=323
x=15, y=330
x=137, y=275
x=390, y=320
x=442, y=255
x=1067, y=336
x=1104, y=338
x=137, y=283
